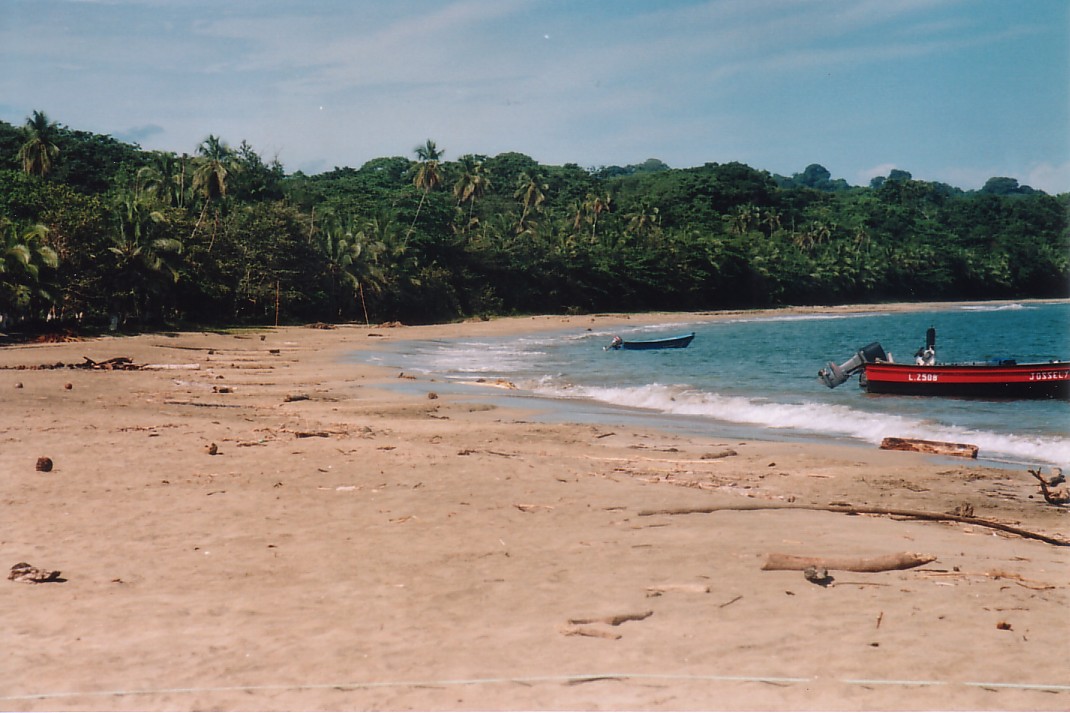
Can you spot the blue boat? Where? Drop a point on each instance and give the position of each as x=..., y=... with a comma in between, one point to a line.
x=666, y=343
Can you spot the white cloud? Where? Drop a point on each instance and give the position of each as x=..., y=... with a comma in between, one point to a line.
x=864, y=176
x=777, y=84
x=1053, y=179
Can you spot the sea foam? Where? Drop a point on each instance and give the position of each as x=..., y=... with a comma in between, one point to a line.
x=813, y=418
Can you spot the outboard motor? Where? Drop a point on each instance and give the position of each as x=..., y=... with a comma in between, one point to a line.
x=835, y=375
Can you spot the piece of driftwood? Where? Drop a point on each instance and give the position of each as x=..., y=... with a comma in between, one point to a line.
x=1058, y=496
x=612, y=619
x=882, y=563
x=941, y=448
x=686, y=587
x=113, y=363
x=853, y=510
x=588, y=631
x=173, y=402
x=1018, y=579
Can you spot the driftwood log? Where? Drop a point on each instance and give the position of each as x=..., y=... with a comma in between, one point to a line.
x=1052, y=497
x=940, y=448
x=612, y=619
x=852, y=510
x=108, y=364
x=883, y=563
x=588, y=631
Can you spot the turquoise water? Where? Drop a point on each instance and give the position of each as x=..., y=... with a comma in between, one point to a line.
x=759, y=374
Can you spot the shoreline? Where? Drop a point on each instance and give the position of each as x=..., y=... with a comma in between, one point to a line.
x=346, y=546
x=1021, y=452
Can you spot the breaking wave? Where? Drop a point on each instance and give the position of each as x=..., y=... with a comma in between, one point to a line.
x=821, y=419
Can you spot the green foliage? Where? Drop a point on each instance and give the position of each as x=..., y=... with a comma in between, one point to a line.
x=98, y=228
x=26, y=262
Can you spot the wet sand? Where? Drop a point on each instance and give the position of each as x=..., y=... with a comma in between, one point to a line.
x=348, y=546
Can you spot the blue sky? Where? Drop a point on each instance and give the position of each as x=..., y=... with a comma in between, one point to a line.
x=951, y=90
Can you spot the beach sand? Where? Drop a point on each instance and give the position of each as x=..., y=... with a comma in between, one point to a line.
x=350, y=547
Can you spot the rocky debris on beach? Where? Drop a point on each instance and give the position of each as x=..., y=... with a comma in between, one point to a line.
x=113, y=364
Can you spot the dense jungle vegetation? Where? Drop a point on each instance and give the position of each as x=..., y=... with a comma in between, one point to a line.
x=95, y=229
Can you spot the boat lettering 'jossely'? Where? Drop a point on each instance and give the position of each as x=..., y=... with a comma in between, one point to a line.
x=1000, y=378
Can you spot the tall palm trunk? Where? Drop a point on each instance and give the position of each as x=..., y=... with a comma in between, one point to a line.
x=417, y=216
x=200, y=219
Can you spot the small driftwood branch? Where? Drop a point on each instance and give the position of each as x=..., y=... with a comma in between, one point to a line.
x=588, y=631
x=942, y=448
x=687, y=587
x=852, y=510
x=883, y=563
x=612, y=619
x=1052, y=497
x=531, y=507
x=995, y=574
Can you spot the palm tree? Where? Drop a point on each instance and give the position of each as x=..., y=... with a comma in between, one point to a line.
x=352, y=262
x=428, y=176
x=145, y=258
x=163, y=178
x=531, y=191
x=742, y=219
x=215, y=163
x=596, y=205
x=39, y=149
x=472, y=184
x=645, y=221
x=771, y=220
x=22, y=255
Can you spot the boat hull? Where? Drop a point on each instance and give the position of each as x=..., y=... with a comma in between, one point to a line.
x=669, y=343
x=1006, y=381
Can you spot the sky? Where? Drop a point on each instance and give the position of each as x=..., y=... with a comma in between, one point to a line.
x=956, y=91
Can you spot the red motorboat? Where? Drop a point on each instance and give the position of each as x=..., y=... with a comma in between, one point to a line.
x=996, y=379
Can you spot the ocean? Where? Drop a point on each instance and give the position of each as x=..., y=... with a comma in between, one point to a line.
x=756, y=377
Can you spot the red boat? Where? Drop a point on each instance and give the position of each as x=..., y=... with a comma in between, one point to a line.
x=1004, y=380
x=997, y=379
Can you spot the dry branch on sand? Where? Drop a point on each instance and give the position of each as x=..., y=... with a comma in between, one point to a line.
x=612, y=619
x=882, y=563
x=1058, y=496
x=852, y=510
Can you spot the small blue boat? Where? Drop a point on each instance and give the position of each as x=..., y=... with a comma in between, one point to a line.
x=666, y=343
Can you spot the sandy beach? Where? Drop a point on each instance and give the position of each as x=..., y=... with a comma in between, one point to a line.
x=250, y=521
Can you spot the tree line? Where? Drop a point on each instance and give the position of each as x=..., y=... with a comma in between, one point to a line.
x=96, y=230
